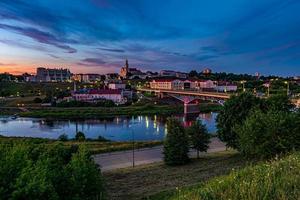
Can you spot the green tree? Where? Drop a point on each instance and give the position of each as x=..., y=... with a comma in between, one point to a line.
x=265, y=134
x=86, y=176
x=279, y=103
x=234, y=112
x=176, y=145
x=63, y=137
x=199, y=137
x=80, y=136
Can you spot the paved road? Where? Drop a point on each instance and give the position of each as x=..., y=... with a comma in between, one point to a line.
x=122, y=159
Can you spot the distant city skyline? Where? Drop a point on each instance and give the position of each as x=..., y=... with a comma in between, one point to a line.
x=96, y=36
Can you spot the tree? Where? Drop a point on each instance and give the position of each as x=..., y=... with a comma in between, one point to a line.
x=199, y=137
x=234, y=112
x=63, y=137
x=86, y=176
x=265, y=134
x=193, y=73
x=279, y=103
x=80, y=136
x=176, y=145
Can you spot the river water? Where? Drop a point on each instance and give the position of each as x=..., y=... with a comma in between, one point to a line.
x=142, y=128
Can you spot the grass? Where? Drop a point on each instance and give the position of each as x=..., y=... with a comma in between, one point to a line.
x=148, y=180
x=95, y=147
x=277, y=179
x=99, y=112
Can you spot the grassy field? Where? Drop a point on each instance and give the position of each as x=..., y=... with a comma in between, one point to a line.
x=278, y=179
x=95, y=147
x=98, y=112
x=148, y=180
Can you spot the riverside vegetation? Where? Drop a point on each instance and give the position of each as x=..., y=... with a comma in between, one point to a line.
x=259, y=129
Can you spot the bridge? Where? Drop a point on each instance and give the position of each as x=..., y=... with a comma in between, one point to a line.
x=190, y=98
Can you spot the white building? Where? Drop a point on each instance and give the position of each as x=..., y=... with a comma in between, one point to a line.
x=116, y=86
x=172, y=84
x=93, y=96
x=206, y=84
x=226, y=87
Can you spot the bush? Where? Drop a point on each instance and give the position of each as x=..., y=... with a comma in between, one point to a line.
x=37, y=100
x=63, y=137
x=176, y=145
x=267, y=134
x=29, y=171
x=199, y=137
x=234, y=112
x=80, y=136
x=278, y=179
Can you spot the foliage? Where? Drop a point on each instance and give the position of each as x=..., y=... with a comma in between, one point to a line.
x=268, y=134
x=176, y=146
x=37, y=171
x=99, y=103
x=279, y=103
x=199, y=137
x=63, y=137
x=234, y=112
x=278, y=179
x=80, y=136
x=37, y=100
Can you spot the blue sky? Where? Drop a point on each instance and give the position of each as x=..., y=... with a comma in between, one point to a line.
x=240, y=36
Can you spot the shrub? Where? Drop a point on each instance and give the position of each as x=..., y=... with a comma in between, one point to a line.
x=37, y=100
x=176, y=146
x=278, y=179
x=80, y=136
x=199, y=137
x=63, y=137
x=30, y=171
x=234, y=112
x=267, y=134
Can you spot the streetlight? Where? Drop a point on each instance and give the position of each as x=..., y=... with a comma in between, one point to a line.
x=133, y=146
x=288, y=88
x=243, y=82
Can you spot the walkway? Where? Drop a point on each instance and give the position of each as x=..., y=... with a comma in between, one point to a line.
x=122, y=159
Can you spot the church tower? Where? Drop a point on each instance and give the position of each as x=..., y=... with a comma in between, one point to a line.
x=125, y=70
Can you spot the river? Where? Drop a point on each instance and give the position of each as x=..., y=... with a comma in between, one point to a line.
x=142, y=128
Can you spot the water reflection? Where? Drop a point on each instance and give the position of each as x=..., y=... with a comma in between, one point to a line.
x=115, y=128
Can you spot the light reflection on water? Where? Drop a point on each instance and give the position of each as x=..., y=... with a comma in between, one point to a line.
x=116, y=128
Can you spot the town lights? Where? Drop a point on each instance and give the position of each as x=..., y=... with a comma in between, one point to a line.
x=243, y=82
x=288, y=87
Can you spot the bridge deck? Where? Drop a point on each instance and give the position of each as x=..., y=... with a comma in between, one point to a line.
x=188, y=92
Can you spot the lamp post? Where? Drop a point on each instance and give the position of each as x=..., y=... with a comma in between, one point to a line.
x=243, y=82
x=133, y=148
x=288, y=88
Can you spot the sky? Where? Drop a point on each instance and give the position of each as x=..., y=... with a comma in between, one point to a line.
x=96, y=36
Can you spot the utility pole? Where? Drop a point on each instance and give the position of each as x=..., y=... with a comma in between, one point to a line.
x=288, y=88
x=133, y=148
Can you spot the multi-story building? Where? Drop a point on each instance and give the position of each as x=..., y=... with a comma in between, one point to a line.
x=52, y=75
x=206, y=71
x=226, y=87
x=170, y=73
x=95, y=95
x=205, y=84
x=87, y=78
x=172, y=84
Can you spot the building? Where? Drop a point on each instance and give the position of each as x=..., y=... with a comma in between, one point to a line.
x=172, y=84
x=52, y=75
x=127, y=72
x=226, y=87
x=87, y=78
x=116, y=86
x=170, y=73
x=95, y=95
x=205, y=84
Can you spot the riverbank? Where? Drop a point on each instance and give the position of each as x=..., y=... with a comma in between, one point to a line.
x=103, y=112
x=95, y=147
